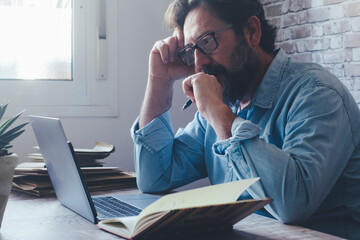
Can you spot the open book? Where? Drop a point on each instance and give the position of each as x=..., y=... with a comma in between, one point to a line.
x=197, y=209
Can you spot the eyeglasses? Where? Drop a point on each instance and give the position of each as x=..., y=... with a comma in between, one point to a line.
x=206, y=44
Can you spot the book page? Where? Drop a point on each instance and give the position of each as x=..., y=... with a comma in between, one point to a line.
x=210, y=195
x=121, y=226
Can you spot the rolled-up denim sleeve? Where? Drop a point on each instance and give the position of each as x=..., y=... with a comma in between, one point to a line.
x=299, y=174
x=164, y=161
x=154, y=136
x=241, y=130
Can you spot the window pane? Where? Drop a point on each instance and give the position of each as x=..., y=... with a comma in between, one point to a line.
x=36, y=41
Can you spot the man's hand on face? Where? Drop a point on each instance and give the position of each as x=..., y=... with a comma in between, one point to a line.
x=204, y=90
x=164, y=64
x=164, y=68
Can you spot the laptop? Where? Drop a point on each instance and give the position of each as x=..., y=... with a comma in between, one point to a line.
x=68, y=181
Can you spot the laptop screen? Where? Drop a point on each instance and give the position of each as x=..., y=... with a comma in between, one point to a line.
x=65, y=175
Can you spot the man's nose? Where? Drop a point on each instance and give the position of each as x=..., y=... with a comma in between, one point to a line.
x=201, y=59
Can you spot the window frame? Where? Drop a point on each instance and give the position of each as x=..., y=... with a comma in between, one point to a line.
x=87, y=95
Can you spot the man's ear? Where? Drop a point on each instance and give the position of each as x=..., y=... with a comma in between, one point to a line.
x=253, y=31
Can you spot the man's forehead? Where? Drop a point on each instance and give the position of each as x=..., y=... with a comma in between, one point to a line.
x=198, y=22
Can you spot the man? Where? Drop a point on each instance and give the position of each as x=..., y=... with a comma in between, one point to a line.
x=260, y=114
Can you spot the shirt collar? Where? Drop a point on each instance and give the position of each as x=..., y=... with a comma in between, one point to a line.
x=265, y=94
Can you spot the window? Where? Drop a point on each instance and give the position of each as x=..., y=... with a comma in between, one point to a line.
x=47, y=28
x=55, y=54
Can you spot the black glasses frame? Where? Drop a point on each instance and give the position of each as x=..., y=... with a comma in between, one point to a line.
x=184, y=51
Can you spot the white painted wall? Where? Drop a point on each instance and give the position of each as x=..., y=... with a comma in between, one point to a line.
x=140, y=25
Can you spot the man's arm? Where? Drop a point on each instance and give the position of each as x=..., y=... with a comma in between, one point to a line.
x=299, y=174
x=164, y=69
x=164, y=161
x=159, y=158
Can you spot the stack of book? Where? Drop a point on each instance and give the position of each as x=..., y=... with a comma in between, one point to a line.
x=85, y=157
x=32, y=177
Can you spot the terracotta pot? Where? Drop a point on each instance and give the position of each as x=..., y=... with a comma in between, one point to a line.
x=7, y=167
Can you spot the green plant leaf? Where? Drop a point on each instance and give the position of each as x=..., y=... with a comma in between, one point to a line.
x=14, y=130
x=12, y=136
x=8, y=123
x=3, y=152
x=2, y=141
x=8, y=134
x=2, y=110
x=3, y=144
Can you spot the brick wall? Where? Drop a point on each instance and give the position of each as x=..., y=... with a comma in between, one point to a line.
x=322, y=31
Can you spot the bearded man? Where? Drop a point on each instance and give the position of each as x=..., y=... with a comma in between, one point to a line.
x=260, y=114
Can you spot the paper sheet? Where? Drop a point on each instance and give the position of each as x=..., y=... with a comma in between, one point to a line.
x=211, y=195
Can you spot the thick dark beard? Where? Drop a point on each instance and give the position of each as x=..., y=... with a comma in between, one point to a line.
x=236, y=81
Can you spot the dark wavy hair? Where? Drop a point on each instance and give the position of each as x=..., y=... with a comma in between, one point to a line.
x=235, y=12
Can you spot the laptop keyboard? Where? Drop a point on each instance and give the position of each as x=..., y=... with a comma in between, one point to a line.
x=108, y=207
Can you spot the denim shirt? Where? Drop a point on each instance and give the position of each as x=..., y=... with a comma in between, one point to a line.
x=300, y=134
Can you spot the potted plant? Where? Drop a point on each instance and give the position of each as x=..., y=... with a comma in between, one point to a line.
x=8, y=161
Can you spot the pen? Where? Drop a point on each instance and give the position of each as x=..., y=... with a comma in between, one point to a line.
x=187, y=104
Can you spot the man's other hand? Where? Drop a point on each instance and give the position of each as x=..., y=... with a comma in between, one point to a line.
x=164, y=65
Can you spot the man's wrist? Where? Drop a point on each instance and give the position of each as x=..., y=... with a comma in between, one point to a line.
x=221, y=120
x=160, y=80
x=157, y=100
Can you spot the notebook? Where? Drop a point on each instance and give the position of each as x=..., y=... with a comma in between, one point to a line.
x=68, y=181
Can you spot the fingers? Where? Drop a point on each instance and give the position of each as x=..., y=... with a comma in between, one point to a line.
x=179, y=34
x=163, y=49
x=202, y=86
x=188, y=89
x=172, y=43
x=168, y=47
x=188, y=84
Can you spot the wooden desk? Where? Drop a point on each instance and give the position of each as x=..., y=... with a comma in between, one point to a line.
x=31, y=218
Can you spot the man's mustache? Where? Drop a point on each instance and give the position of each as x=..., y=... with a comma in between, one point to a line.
x=214, y=69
